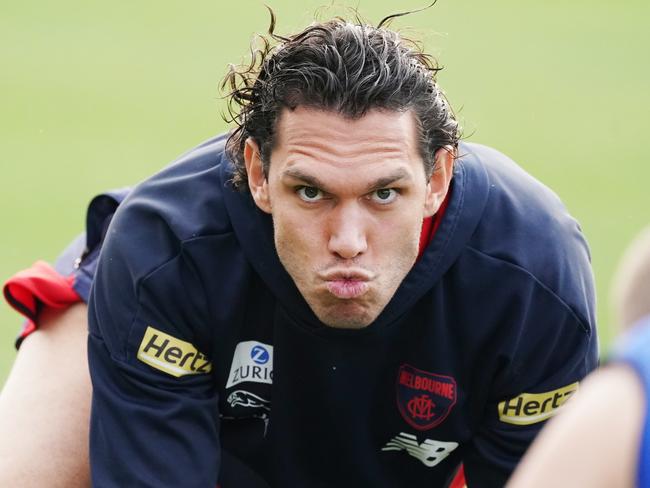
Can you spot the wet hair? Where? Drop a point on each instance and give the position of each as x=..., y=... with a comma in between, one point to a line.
x=340, y=66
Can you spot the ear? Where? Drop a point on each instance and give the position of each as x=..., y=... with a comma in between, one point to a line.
x=438, y=184
x=257, y=181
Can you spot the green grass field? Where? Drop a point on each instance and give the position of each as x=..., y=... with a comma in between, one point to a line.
x=100, y=95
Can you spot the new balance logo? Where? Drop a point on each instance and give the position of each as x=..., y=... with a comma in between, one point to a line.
x=430, y=452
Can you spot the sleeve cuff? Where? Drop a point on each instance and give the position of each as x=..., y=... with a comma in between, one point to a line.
x=40, y=286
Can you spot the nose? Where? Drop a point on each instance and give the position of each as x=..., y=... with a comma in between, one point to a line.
x=347, y=231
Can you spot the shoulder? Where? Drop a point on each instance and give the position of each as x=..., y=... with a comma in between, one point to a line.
x=632, y=352
x=633, y=349
x=521, y=214
x=188, y=194
x=182, y=203
x=524, y=225
x=166, y=252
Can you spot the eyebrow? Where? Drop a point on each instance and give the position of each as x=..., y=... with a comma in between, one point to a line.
x=383, y=182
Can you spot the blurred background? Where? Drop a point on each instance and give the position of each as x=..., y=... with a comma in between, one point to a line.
x=97, y=95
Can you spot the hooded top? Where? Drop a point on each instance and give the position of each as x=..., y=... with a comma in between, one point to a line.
x=209, y=366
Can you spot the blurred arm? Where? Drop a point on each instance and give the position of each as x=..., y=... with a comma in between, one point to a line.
x=45, y=405
x=594, y=442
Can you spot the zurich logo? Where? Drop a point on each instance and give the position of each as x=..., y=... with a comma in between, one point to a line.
x=259, y=355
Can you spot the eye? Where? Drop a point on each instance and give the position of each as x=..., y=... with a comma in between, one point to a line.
x=309, y=193
x=384, y=196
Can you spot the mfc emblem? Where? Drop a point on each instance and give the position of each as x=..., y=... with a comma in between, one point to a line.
x=424, y=399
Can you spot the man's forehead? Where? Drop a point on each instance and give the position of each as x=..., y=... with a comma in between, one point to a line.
x=379, y=131
x=378, y=115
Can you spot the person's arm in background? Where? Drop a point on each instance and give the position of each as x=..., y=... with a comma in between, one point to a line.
x=596, y=440
x=45, y=405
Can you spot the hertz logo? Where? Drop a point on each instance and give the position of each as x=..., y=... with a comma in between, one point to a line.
x=530, y=408
x=171, y=355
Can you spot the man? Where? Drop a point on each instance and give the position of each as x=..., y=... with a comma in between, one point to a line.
x=336, y=293
x=603, y=437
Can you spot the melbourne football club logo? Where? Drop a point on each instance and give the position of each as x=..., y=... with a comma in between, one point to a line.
x=424, y=399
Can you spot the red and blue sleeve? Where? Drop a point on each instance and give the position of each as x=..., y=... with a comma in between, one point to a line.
x=37, y=287
x=67, y=281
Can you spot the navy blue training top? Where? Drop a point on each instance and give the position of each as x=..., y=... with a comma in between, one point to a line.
x=209, y=367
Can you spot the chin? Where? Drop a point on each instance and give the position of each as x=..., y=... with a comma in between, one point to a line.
x=342, y=319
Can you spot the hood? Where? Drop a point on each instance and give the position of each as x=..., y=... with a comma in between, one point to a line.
x=254, y=230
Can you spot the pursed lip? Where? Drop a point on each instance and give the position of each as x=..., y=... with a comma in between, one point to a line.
x=347, y=284
x=356, y=274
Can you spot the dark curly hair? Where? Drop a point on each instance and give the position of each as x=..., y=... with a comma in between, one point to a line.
x=347, y=67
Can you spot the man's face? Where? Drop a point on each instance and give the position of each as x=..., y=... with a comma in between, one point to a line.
x=347, y=198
